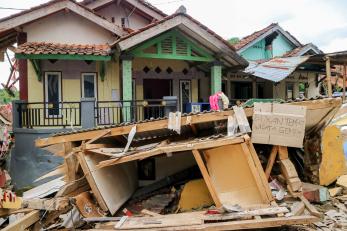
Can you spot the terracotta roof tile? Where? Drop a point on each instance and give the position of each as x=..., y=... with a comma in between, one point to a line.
x=57, y=48
x=293, y=52
x=170, y=17
x=143, y=2
x=250, y=38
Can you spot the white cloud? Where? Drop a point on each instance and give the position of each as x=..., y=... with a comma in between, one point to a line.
x=338, y=44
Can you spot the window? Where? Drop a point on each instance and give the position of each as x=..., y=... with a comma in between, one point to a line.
x=289, y=91
x=89, y=85
x=52, y=93
x=185, y=93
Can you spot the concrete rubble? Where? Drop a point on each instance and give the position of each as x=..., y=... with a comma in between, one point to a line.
x=240, y=168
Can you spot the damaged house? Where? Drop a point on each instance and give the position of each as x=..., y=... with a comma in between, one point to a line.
x=278, y=67
x=105, y=63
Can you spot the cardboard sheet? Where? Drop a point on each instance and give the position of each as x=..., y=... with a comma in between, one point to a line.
x=279, y=124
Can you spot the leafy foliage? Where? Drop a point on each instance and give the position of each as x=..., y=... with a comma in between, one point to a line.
x=6, y=98
x=234, y=40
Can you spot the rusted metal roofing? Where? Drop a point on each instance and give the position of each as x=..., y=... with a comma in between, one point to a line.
x=57, y=48
x=276, y=69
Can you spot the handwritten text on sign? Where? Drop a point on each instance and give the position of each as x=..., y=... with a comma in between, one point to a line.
x=278, y=124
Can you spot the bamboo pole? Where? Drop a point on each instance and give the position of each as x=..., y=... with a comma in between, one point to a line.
x=328, y=76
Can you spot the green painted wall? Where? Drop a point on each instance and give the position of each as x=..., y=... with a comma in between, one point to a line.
x=255, y=52
x=281, y=45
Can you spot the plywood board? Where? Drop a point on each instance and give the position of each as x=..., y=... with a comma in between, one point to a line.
x=279, y=124
x=112, y=186
x=232, y=176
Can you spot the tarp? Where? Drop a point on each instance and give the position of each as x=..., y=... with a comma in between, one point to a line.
x=275, y=69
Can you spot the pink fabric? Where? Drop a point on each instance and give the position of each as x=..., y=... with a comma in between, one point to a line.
x=214, y=102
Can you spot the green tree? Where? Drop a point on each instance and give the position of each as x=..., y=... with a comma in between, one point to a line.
x=234, y=40
x=6, y=98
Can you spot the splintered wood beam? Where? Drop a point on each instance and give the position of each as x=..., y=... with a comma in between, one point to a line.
x=163, y=124
x=24, y=222
x=104, y=133
x=171, y=148
x=141, y=127
x=271, y=161
x=206, y=177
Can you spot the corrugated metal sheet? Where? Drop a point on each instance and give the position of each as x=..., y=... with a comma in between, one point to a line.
x=275, y=69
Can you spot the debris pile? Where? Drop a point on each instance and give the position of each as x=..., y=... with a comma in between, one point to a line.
x=210, y=170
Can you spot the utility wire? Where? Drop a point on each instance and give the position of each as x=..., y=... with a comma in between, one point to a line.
x=10, y=8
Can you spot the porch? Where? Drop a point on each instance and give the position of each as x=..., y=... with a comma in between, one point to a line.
x=88, y=112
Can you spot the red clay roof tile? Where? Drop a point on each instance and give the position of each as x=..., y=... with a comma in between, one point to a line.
x=250, y=38
x=57, y=48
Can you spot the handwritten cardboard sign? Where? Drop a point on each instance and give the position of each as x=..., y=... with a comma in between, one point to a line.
x=279, y=124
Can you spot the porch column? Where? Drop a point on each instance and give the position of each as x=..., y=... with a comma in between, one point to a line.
x=328, y=76
x=127, y=88
x=254, y=87
x=216, y=77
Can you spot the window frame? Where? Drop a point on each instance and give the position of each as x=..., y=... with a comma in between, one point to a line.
x=46, y=103
x=95, y=84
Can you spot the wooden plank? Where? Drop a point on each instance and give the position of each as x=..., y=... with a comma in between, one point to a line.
x=104, y=133
x=110, y=186
x=297, y=208
x=261, y=172
x=162, y=124
x=232, y=176
x=174, y=148
x=283, y=152
x=310, y=207
x=47, y=204
x=255, y=171
x=240, y=225
x=71, y=164
x=170, y=220
x=206, y=177
x=141, y=127
x=24, y=222
x=271, y=161
x=246, y=214
x=251, y=224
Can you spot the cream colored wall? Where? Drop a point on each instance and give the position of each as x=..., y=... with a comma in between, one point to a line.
x=35, y=87
x=279, y=91
x=111, y=82
x=67, y=27
x=136, y=21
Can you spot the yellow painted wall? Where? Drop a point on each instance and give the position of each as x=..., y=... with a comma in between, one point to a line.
x=195, y=90
x=35, y=87
x=111, y=81
x=71, y=89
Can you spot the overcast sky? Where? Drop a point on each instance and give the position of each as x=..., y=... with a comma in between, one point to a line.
x=322, y=22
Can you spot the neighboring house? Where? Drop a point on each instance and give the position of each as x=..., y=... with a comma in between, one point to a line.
x=104, y=62
x=266, y=45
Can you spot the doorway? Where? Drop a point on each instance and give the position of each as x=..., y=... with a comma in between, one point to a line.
x=157, y=88
x=153, y=92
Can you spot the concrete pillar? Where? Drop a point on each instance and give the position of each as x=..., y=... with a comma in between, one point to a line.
x=88, y=112
x=216, y=77
x=17, y=105
x=328, y=76
x=127, y=87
